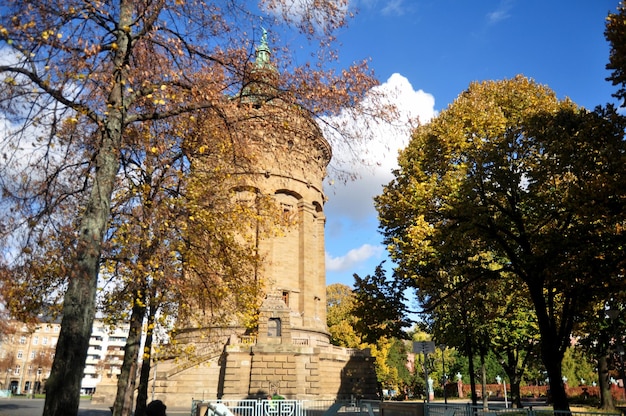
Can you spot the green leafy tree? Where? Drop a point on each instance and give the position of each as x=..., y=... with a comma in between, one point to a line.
x=514, y=333
x=615, y=33
x=579, y=367
x=380, y=306
x=458, y=315
x=511, y=170
x=599, y=334
x=391, y=356
x=482, y=317
x=397, y=360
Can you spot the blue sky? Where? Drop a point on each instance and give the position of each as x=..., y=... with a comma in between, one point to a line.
x=431, y=50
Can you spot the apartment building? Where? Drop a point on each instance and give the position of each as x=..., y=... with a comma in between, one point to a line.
x=27, y=352
x=105, y=354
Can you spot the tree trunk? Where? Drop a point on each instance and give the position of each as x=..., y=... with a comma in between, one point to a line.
x=514, y=373
x=470, y=365
x=63, y=385
x=123, y=404
x=557, y=388
x=552, y=341
x=515, y=397
x=606, y=398
x=483, y=381
x=79, y=302
x=144, y=377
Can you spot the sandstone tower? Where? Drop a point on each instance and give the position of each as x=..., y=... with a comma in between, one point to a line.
x=290, y=353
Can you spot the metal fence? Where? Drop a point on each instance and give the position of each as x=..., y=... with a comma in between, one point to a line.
x=439, y=409
x=366, y=408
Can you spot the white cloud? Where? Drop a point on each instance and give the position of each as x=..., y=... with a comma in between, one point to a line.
x=394, y=8
x=501, y=13
x=316, y=14
x=378, y=154
x=352, y=258
x=351, y=217
x=390, y=8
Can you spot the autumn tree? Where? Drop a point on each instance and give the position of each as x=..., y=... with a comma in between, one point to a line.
x=390, y=355
x=139, y=257
x=77, y=79
x=7, y=361
x=42, y=364
x=339, y=316
x=176, y=240
x=511, y=170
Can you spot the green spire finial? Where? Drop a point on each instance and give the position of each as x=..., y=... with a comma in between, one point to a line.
x=261, y=81
x=263, y=52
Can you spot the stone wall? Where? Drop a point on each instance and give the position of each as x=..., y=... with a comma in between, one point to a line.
x=292, y=371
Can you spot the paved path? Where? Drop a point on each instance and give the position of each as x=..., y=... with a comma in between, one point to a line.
x=34, y=407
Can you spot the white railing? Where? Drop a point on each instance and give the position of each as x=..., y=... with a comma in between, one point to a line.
x=249, y=408
x=279, y=408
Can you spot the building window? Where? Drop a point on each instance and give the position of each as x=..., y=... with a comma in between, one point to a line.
x=22, y=340
x=44, y=341
x=17, y=370
x=20, y=354
x=286, y=297
x=35, y=340
x=273, y=327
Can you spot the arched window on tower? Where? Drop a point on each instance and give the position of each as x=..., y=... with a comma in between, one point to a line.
x=273, y=327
